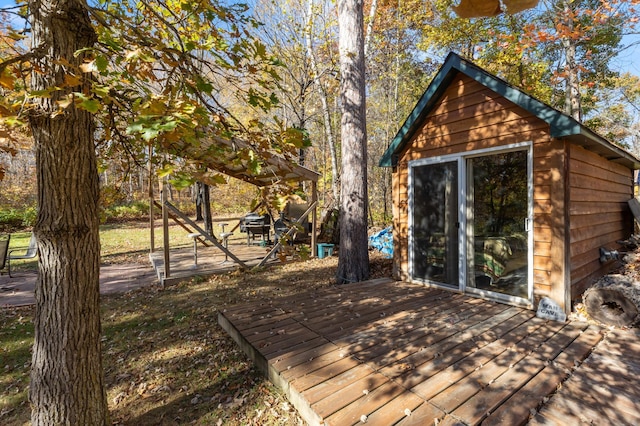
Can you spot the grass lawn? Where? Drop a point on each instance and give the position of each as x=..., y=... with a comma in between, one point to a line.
x=119, y=243
x=166, y=360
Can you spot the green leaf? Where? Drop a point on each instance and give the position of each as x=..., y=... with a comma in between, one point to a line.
x=45, y=93
x=165, y=170
x=181, y=181
x=91, y=105
x=101, y=63
x=203, y=86
x=101, y=91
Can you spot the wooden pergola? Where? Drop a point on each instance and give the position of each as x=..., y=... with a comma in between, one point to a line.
x=225, y=156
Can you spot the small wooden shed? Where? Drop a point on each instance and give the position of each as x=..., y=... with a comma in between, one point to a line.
x=500, y=195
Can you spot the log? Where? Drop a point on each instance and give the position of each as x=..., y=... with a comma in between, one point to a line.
x=613, y=300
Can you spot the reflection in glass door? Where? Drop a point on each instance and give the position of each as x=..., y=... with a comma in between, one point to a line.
x=497, y=222
x=435, y=250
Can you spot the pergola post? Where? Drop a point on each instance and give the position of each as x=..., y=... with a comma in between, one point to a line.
x=314, y=215
x=165, y=228
x=152, y=240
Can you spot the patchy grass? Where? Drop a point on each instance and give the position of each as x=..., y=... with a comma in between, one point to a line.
x=119, y=243
x=166, y=360
x=129, y=242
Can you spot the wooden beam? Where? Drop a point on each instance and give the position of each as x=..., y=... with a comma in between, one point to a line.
x=152, y=239
x=203, y=233
x=182, y=225
x=314, y=219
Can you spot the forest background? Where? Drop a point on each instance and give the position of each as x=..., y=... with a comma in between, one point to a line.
x=405, y=43
x=147, y=82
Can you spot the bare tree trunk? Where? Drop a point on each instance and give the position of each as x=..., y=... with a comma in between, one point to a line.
x=326, y=116
x=66, y=373
x=206, y=209
x=572, y=90
x=353, y=260
x=199, y=196
x=372, y=17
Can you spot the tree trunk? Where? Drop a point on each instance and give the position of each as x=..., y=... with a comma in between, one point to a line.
x=573, y=105
x=206, y=209
x=199, y=196
x=372, y=17
x=326, y=116
x=66, y=373
x=613, y=300
x=353, y=260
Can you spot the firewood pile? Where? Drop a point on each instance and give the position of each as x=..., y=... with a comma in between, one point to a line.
x=614, y=299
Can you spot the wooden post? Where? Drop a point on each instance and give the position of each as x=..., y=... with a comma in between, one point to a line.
x=314, y=216
x=165, y=229
x=152, y=243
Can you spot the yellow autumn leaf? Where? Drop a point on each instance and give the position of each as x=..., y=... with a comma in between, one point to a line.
x=156, y=107
x=7, y=81
x=71, y=80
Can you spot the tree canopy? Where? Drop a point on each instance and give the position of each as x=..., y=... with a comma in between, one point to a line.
x=163, y=72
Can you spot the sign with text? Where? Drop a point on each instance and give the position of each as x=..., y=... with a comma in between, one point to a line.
x=548, y=309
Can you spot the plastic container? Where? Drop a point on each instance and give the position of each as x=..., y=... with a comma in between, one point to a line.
x=325, y=250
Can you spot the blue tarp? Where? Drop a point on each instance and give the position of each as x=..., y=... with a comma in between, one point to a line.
x=383, y=242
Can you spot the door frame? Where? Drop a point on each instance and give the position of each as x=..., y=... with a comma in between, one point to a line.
x=463, y=238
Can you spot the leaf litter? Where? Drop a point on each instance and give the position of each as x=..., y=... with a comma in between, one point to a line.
x=166, y=360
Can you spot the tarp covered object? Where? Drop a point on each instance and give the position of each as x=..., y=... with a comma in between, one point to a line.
x=383, y=242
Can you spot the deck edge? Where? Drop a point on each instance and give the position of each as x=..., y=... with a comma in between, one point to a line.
x=294, y=397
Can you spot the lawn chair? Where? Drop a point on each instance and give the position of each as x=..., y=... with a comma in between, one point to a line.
x=30, y=253
x=4, y=251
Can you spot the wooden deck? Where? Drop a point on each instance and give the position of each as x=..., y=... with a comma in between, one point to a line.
x=604, y=390
x=389, y=352
x=211, y=260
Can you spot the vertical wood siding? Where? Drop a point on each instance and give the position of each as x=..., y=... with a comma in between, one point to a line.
x=599, y=213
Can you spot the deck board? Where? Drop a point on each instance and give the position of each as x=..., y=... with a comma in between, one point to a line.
x=397, y=353
x=602, y=390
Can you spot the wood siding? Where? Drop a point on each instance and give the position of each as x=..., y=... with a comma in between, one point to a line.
x=469, y=117
x=599, y=213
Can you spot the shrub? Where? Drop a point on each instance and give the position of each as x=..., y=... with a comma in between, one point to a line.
x=15, y=219
x=135, y=210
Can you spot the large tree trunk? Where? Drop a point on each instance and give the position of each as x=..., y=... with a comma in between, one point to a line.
x=66, y=374
x=199, y=197
x=353, y=260
x=206, y=209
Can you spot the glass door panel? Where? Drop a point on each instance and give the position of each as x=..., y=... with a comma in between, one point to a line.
x=435, y=247
x=497, y=222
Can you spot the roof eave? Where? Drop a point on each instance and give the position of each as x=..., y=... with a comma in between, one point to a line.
x=597, y=144
x=561, y=125
x=422, y=108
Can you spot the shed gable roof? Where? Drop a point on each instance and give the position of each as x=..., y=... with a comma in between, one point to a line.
x=560, y=124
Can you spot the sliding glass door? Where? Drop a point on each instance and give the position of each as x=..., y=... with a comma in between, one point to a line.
x=436, y=251
x=469, y=222
x=497, y=223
